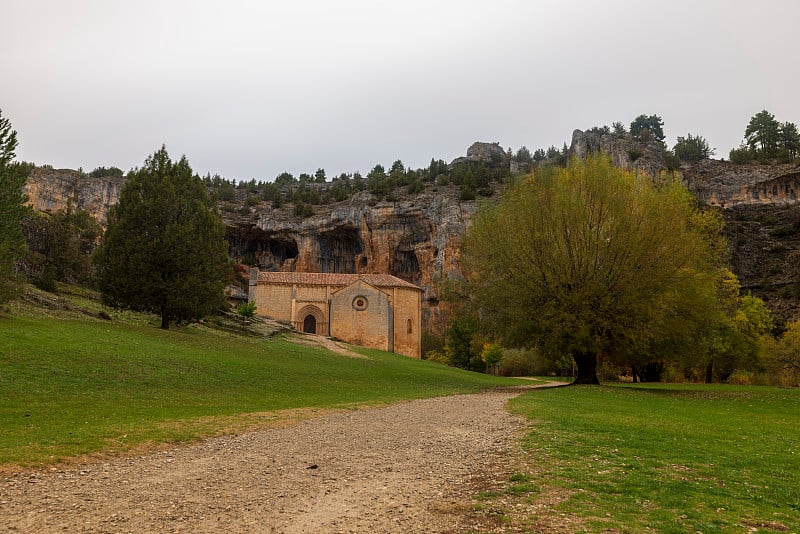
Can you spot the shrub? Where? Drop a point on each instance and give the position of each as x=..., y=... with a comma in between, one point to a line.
x=672, y=373
x=102, y=172
x=783, y=231
x=692, y=148
x=431, y=342
x=466, y=194
x=673, y=162
x=607, y=370
x=740, y=155
x=246, y=309
x=635, y=153
x=741, y=378
x=46, y=281
x=518, y=362
x=491, y=355
x=303, y=210
x=439, y=356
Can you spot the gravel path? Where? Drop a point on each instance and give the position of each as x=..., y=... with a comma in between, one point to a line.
x=407, y=467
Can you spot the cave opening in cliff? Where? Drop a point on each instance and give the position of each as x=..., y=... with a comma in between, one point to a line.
x=406, y=266
x=253, y=246
x=338, y=250
x=275, y=251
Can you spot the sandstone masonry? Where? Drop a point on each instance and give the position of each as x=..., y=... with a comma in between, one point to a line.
x=371, y=310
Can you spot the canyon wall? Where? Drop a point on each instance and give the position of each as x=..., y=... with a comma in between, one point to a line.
x=50, y=190
x=418, y=237
x=725, y=184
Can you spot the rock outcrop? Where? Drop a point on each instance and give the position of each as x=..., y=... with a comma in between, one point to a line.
x=725, y=184
x=418, y=237
x=480, y=152
x=51, y=190
x=624, y=151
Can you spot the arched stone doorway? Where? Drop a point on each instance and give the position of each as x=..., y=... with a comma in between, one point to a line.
x=311, y=320
x=310, y=324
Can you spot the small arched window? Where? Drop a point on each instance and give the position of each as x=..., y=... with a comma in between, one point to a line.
x=409, y=326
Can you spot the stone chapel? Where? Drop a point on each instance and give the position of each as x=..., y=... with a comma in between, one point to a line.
x=372, y=310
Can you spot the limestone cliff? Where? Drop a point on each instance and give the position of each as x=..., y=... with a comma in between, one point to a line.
x=624, y=150
x=50, y=190
x=418, y=237
x=724, y=184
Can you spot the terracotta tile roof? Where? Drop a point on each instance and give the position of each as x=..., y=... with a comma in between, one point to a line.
x=333, y=279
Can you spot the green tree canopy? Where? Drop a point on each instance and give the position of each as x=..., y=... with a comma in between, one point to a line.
x=789, y=138
x=12, y=211
x=692, y=148
x=523, y=155
x=645, y=126
x=60, y=246
x=164, y=249
x=592, y=260
x=285, y=178
x=763, y=133
x=102, y=172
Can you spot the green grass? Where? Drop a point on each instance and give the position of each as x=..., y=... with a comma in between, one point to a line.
x=668, y=458
x=75, y=386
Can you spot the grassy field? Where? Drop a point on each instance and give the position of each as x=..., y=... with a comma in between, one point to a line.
x=664, y=458
x=70, y=386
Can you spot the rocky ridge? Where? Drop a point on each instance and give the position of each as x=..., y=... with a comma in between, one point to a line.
x=418, y=237
x=50, y=190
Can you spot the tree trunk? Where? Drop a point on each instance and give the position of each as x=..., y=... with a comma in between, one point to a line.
x=710, y=372
x=165, y=319
x=635, y=373
x=587, y=368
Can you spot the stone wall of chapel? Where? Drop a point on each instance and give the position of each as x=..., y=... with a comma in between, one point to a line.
x=407, y=306
x=367, y=325
x=311, y=293
x=274, y=301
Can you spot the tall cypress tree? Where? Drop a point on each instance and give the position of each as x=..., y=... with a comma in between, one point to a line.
x=12, y=211
x=164, y=249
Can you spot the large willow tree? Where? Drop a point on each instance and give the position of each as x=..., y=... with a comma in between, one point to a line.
x=593, y=260
x=164, y=250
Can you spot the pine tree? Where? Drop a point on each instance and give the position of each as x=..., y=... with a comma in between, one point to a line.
x=12, y=211
x=164, y=249
x=763, y=134
x=790, y=138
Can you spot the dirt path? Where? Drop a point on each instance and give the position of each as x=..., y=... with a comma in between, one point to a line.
x=402, y=468
x=324, y=342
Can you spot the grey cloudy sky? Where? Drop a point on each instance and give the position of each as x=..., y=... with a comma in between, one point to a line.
x=248, y=89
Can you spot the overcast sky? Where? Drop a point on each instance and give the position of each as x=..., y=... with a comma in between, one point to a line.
x=248, y=89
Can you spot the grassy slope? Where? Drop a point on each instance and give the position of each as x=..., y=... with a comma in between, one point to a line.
x=669, y=458
x=73, y=386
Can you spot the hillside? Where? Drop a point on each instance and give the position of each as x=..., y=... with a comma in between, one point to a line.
x=416, y=235
x=63, y=354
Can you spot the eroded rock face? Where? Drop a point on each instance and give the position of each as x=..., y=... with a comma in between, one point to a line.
x=624, y=151
x=480, y=152
x=417, y=239
x=725, y=184
x=52, y=190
